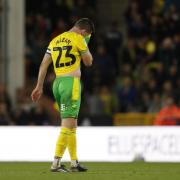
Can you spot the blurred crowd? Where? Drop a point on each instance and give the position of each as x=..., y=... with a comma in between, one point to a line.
x=151, y=59
x=138, y=71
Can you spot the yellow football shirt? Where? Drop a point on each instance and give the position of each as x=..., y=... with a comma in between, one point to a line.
x=66, y=50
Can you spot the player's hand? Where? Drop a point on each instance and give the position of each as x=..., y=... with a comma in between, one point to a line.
x=87, y=39
x=36, y=94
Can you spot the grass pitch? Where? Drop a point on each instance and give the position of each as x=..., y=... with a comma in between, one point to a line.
x=97, y=171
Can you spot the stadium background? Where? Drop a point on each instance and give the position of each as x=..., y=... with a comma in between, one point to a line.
x=135, y=76
x=135, y=72
x=136, y=59
x=135, y=51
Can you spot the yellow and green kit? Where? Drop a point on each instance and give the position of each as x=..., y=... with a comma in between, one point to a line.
x=67, y=92
x=66, y=50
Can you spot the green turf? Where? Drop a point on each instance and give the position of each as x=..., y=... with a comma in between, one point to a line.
x=97, y=171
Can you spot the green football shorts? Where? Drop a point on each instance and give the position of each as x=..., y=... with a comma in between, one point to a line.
x=67, y=92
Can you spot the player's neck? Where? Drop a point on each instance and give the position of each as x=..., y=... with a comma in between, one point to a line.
x=75, y=29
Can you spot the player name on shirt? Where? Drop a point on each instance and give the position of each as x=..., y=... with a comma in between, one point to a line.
x=62, y=39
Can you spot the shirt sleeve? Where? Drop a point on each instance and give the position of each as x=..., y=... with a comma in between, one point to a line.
x=49, y=48
x=82, y=45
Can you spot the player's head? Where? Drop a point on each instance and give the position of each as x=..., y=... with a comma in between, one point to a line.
x=85, y=25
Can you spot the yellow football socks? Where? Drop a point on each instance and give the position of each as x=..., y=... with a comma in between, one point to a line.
x=67, y=138
x=61, y=143
x=72, y=144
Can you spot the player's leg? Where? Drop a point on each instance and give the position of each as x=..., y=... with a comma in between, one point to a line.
x=70, y=91
x=62, y=90
x=70, y=104
x=71, y=123
x=62, y=140
x=70, y=116
x=61, y=145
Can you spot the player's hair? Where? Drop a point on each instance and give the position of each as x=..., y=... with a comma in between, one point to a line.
x=85, y=23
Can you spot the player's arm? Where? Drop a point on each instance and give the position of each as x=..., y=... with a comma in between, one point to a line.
x=87, y=58
x=37, y=92
x=82, y=44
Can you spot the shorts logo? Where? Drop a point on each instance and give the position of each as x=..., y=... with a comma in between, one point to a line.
x=63, y=107
x=74, y=105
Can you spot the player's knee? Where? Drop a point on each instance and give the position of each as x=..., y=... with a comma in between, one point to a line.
x=69, y=123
